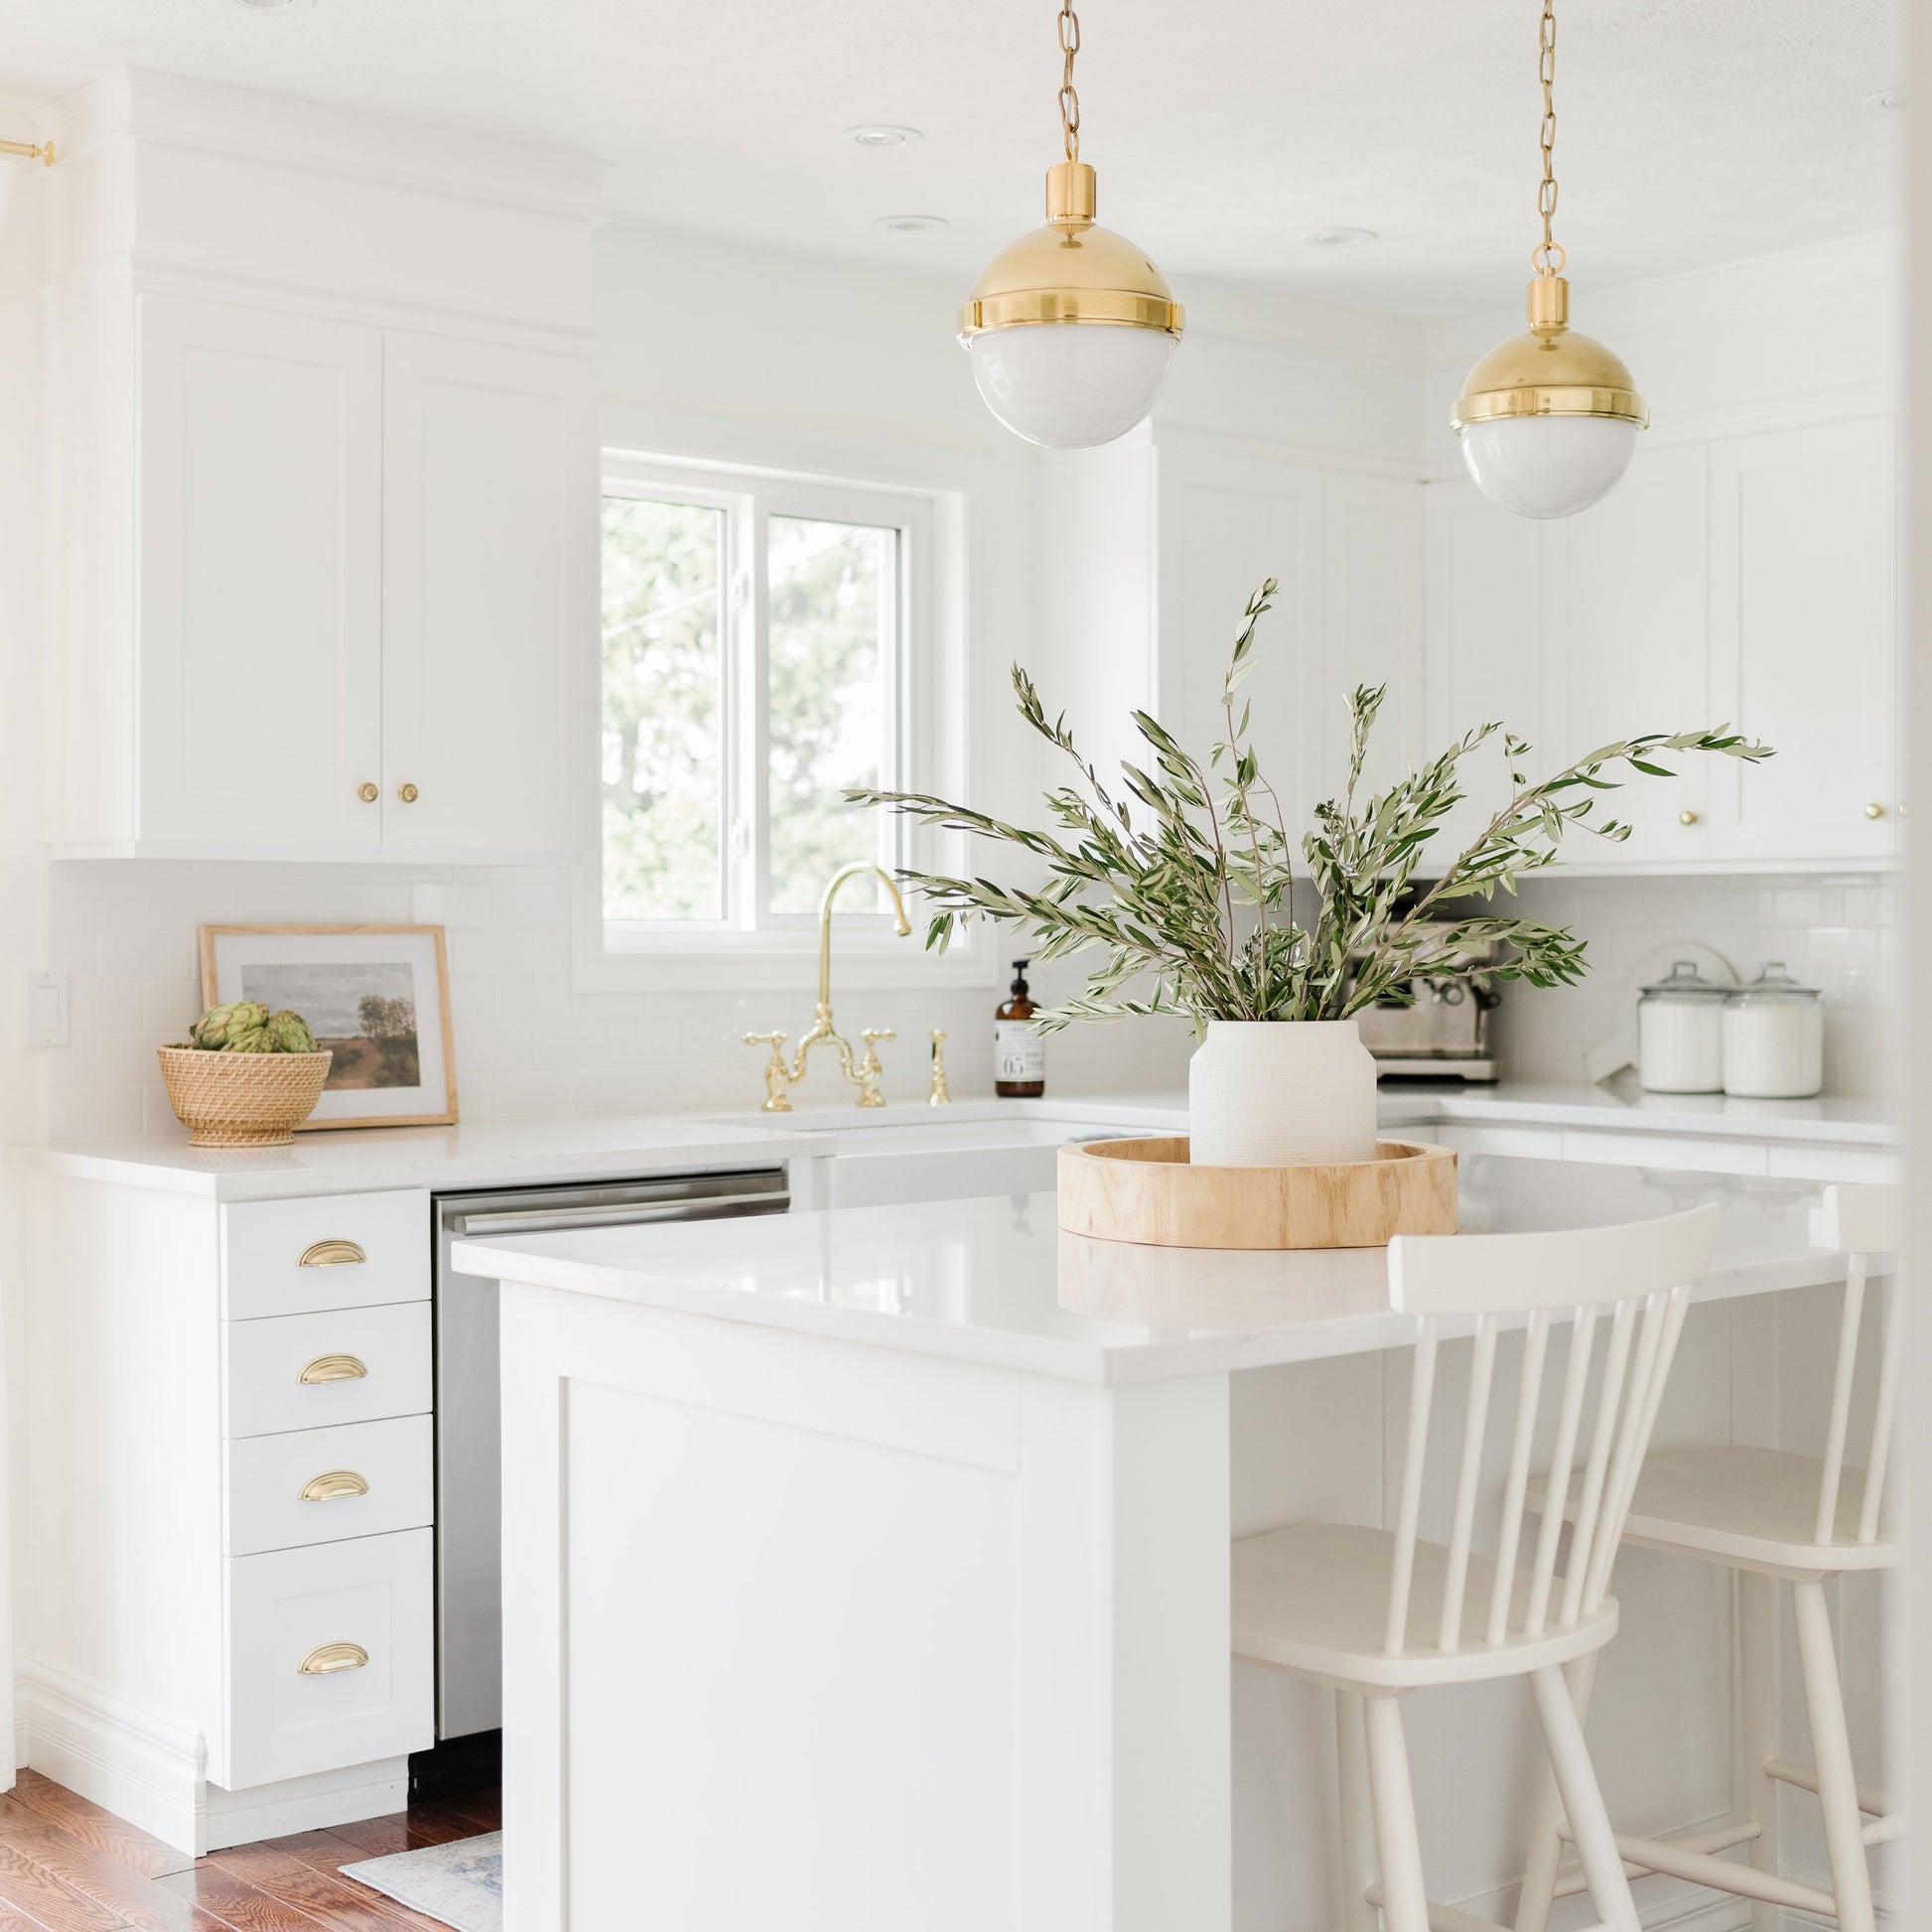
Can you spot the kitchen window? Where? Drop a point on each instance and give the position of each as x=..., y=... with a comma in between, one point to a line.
x=766, y=644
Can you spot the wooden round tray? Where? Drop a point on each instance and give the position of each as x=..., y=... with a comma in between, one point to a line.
x=1145, y=1190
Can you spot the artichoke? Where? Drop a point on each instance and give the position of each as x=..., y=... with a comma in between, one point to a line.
x=249, y=1039
x=216, y=1031
x=289, y=1033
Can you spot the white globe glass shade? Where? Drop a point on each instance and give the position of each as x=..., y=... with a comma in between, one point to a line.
x=1069, y=385
x=1548, y=466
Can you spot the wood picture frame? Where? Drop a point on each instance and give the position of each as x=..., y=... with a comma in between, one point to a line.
x=395, y=966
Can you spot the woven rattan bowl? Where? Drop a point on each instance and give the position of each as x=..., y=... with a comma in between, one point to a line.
x=242, y=1099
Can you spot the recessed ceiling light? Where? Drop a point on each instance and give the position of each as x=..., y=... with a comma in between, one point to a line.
x=264, y=6
x=1887, y=100
x=912, y=224
x=1340, y=237
x=879, y=134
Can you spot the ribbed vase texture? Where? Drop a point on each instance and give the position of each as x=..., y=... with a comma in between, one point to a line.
x=1280, y=1093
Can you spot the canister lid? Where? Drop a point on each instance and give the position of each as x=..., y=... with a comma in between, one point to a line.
x=1685, y=979
x=1773, y=983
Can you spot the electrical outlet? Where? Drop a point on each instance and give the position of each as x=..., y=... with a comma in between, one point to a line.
x=47, y=1008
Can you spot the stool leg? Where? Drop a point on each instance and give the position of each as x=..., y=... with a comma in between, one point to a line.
x=1357, y=1829
x=1583, y=1802
x=1759, y=1689
x=1831, y=1750
x=1539, y=1890
x=1398, y=1843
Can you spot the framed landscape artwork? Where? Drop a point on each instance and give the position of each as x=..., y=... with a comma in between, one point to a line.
x=376, y=996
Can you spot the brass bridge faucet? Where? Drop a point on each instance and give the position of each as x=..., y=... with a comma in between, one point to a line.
x=865, y=1072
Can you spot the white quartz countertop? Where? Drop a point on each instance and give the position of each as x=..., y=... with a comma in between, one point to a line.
x=521, y=1153
x=997, y=1281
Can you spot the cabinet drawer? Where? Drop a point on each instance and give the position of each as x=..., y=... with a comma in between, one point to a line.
x=1665, y=1151
x=360, y=1364
x=287, y=1490
x=358, y=1615
x=1805, y=1163
x=1526, y=1143
x=329, y=1251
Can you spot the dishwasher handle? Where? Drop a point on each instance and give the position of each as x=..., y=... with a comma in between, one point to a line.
x=550, y=1220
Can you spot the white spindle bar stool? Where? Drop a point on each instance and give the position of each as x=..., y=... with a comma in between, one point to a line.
x=1769, y=1514
x=1376, y=1613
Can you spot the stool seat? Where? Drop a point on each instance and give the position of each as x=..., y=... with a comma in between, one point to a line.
x=1313, y=1598
x=1741, y=1506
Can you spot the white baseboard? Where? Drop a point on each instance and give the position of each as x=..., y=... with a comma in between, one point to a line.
x=151, y=1771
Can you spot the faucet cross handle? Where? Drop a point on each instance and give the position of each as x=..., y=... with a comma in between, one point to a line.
x=871, y=1071
x=777, y=1081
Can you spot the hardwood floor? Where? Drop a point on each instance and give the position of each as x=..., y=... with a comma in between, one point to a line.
x=67, y=1866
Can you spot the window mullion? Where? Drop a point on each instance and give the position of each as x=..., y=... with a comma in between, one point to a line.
x=757, y=790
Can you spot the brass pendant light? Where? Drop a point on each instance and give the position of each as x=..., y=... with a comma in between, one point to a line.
x=1071, y=327
x=1548, y=420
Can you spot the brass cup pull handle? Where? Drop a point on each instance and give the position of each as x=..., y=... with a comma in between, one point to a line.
x=329, y=1254
x=329, y=1658
x=334, y=1368
x=331, y=1485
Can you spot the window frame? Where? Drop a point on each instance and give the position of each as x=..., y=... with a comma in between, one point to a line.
x=750, y=946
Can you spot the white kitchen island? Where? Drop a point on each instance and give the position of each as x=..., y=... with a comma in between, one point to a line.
x=869, y=1569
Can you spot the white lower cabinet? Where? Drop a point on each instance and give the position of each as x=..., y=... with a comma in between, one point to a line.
x=324, y=1485
x=329, y=1658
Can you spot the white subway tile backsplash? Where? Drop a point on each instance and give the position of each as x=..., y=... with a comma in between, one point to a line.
x=1838, y=935
x=527, y=1045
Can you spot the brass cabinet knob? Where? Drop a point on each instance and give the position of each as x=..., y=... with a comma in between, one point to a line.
x=331, y=1254
x=367, y=793
x=1875, y=810
x=331, y=1485
x=329, y=1658
x=334, y=1368
x=1687, y=817
x=408, y=794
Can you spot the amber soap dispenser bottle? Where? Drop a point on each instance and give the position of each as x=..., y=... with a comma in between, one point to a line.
x=1018, y=1053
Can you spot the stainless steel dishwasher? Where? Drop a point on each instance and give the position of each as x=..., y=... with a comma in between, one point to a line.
x=468, y=1473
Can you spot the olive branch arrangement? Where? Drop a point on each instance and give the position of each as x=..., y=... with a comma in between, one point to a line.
x=1194, y=890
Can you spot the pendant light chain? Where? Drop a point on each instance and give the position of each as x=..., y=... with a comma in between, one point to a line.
x=1069, y=100
x=1547, y=256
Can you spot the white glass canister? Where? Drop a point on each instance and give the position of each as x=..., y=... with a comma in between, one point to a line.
x=1774, y=1037
x=1681, y=1034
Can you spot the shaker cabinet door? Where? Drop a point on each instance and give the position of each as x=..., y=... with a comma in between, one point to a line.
x=1636, y=654
x=259, y=600
x=489, y=599
x=1806, y=641
x=1493, y=598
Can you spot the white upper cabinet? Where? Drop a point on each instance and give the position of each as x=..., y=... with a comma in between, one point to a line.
x=1490, y=592
x=1226, y=524
x=489, y=641
x=1635, y=653
x=1371, y=631
x=1751, y=582
x=305, y=554
x=1805, y=641
x=259, y=578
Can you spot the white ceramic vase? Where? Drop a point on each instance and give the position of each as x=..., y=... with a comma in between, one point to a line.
x=1280, y=1093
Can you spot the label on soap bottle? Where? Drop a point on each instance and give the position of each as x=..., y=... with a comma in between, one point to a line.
x=1019, y=1053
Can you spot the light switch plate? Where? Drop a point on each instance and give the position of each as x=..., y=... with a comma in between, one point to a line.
x=47, y=1007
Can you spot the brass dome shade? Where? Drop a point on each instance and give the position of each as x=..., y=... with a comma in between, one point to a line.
x=1550, y=370
x=1070, y=270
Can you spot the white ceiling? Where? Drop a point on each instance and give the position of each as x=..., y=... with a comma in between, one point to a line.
x=1691, y=131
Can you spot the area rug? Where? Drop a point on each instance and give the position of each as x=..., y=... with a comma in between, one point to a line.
x=461, y=1883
